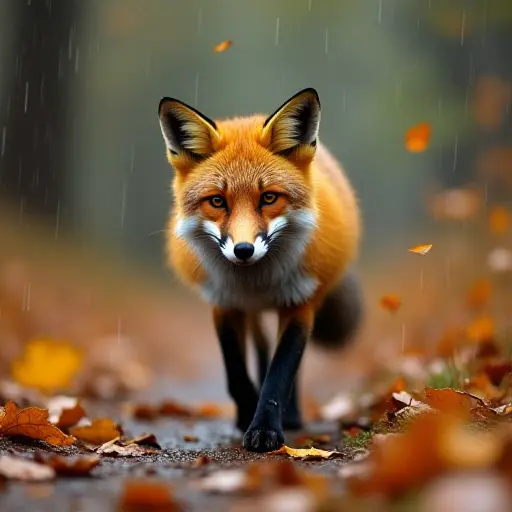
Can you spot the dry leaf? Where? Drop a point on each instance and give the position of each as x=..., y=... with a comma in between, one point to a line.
x=223, y=46
x=69, y=466
x=499, y=220
x=420, y=249
x=17, y=468
x=126, y=450
x=391, y=303
x=65, y=411
x=417, y=137
x=306, y=453
x=47, y=365
x=172, y=408
x=99, y=432
x=449, y=400
x=139, y=495
x=31, y=422
x=143, y=440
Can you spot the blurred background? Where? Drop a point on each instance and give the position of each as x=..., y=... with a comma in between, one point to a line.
x=84, y=182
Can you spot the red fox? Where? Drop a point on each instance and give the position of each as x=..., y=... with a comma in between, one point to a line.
x=264, y=218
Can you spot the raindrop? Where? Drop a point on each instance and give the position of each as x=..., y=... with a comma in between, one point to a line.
x=462, y=27
x=4, y=134
x=199, y=20
x=41, y=90
x=28, y=297
x=132, y=159
x=455, y=152
x=77, y=59
x=344, y=100
x=309, y=5
x=379, y=16
x=326, y=40
x=26, y=97
x=70, y=42
x=277, y=31
x=119, y=330
x=403, y=337
x=123, y=203
x=57, y=220
x=196, y=94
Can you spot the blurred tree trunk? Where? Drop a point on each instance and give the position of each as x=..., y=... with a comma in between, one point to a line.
x=35, y=126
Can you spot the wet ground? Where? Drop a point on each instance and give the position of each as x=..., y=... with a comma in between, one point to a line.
x=217, y=439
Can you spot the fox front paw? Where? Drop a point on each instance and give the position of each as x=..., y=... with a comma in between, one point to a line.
x=263, y=439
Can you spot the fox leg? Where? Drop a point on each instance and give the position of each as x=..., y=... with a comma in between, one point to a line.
x=230, y=328
x=265, y=432
x=261, y=344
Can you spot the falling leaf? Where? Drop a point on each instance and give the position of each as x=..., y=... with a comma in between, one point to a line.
x=306, y=453
x=417, y=137
x=65, y=411
x=17, y=468
x=223, y=46
x=420, y=249
x=47, y=365
x=31, y=422
x=98, y=432
x=391, y=303
x=140, y=495
x=481, y=329
x=479, y=294
x=69, y=466
x=499, y=220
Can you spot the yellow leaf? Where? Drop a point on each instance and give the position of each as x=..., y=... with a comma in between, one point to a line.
x=306, y=453
x=421, y=249
x=99, y=432
x=223, y=46
x=47, y=365
x=417, y=137
x=31, y=422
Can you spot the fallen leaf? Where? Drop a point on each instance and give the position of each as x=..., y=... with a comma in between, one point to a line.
x=100, y=431
x=17, y=468
x=451, y=401
x=499, y=220
x=31, y=422
x=479, y=294
x=139, y=495
x=127, y=450
x=391, y=303
x=145, y=412
x=190, y=439
x=209, y=411
x=420, y=249
x=223, y=46
x=497, y=370
x=306, y=453
x=143, y=440
x=65, y=411
x=69, y=466
x=480, y=385
x=417, y=137
x=172, y=408
x=47, y=365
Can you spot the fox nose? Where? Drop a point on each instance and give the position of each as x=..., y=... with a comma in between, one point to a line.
x=243, y=251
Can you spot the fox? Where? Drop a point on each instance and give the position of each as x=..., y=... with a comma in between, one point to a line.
x=264, y=218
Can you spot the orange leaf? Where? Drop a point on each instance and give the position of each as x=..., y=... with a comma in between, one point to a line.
x=499, y=220
x=417, y=137
x=449, y=401
x=69, y=466
x=480, y=385
x=147, y=496
x=171, y=408
x=306, y=453
x=223, y=46
x=65, y=411
x=99, y=432
x=31, y=422
x=420, y=249
x=390, y=302
x=481, y=330
x=209, y=410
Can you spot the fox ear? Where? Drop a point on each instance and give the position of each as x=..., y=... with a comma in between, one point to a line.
x=186, y=131
x=294, y=125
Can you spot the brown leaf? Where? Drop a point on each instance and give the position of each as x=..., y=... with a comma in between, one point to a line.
x=497, y=370
x=481, y=329
x=223, y=46
x=417, y=137
x=190, y=439
x=390, y=303
x=451, y=401
x=65, y=411
x=480, y=385
x=142, y=440
x=31, y=422
x=17, y=468
x=420, y=249
x=139, y=495
x=99, y=432
x=128, y=450
x=306, y=453
x=145, y=412
x=69, y=466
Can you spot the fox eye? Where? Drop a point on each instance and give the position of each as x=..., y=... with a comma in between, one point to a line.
x=268, y=198
x=217, y=202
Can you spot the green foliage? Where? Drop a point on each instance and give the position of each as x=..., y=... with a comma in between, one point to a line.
x=359, y=441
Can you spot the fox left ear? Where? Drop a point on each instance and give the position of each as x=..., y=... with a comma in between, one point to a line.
x=294, y=125
x=187, y=133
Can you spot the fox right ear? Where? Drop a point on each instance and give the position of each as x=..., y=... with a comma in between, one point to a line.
x=187, y=133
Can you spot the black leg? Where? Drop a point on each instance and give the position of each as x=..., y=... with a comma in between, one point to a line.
x=262, y=347
x=265, y=432
x=292, y=418
x=230, y=327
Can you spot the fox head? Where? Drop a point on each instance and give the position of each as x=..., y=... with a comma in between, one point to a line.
x=242, y=187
